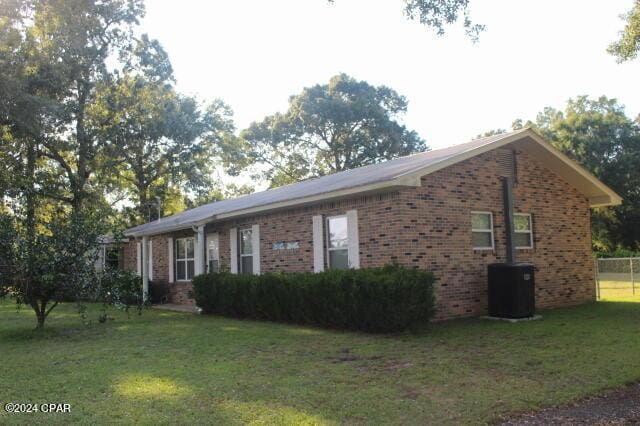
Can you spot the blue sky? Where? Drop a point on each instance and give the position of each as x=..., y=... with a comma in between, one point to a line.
x=255, y=53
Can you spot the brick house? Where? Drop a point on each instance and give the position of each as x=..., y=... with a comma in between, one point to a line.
x=440, y=210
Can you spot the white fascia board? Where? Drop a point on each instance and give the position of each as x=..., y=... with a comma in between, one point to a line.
x=609, y=199
x=401, y=181
x=328, y=196
x=614, y=198
x=470, y=153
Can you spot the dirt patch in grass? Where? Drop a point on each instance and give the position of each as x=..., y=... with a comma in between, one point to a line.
x=618, y=407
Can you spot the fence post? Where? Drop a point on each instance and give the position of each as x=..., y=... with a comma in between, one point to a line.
x=633, y=281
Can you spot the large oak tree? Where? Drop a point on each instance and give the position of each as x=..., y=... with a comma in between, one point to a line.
x=160, y=141
x=327, y=128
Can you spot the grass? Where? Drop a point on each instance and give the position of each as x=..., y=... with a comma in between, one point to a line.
x=165, y=367
x=618, y=285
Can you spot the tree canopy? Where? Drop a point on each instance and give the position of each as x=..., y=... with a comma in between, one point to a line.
x=327, y=128
x=438, y=14
x=87, y=109
x=599, y=135
x=627, y=46
x=160, y=141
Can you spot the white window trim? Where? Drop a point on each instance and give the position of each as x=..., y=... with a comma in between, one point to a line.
x=185, y=259
x=329, y=248
x=240, y=254
x=490, y=230
x=211, y=237
x=530, y=231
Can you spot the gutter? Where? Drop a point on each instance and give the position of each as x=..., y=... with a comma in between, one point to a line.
x=384, y=186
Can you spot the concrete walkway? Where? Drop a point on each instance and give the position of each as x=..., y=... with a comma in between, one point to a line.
x=191, y=309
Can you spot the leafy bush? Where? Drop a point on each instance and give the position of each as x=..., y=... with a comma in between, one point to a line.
x=618, y=253
x=376, y=300
x=121, y=288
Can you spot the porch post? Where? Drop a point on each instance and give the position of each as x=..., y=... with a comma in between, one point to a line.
x=199, y=255
x=145, y=268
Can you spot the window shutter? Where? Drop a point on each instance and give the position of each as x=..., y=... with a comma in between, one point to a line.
x=139, y=258
x=198, y=257
x=233, y=256
x=255, y=245
x=318, y=244
x=171, y=259
x=151, y=260
x=354, y=244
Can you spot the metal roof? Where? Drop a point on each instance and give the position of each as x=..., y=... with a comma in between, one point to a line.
x=363, y=179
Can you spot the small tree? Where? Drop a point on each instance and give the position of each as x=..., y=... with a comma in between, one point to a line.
x=55, y=265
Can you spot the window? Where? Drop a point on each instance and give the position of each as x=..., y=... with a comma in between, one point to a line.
x=522, y=231
x=337, y=242
x=112, y=257
x=482, y=230
x=213, y=259
x=246, y=251
x=184, y=259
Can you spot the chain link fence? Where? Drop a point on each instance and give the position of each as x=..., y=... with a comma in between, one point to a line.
x=618, y=277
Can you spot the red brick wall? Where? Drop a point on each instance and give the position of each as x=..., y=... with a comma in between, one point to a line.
x=130, y=256
x=440, y=239
x=430, y=227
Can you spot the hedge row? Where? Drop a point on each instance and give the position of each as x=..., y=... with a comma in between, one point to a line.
x=375, y=300
x=617, y=253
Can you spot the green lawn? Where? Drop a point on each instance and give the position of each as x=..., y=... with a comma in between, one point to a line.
x=618, y=285
x=166, y=367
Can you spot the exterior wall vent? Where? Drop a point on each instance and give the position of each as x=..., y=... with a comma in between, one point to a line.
x=506, y=163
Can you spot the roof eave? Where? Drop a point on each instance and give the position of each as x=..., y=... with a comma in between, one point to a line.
x=387, y=185
x=407, y=179
x=604, y=201
x=609, y=197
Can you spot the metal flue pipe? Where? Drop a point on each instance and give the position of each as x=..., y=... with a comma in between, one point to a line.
x=507, y=198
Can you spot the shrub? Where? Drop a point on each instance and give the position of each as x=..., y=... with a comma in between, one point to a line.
x=121, y=288
x=375, y=300
x=618, y=253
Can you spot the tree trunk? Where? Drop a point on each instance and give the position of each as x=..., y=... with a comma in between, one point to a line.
x=83, y=149
x=40, y=314
x=31, y=194
x=143, y=199
x=30, y=205
x=41, y=319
